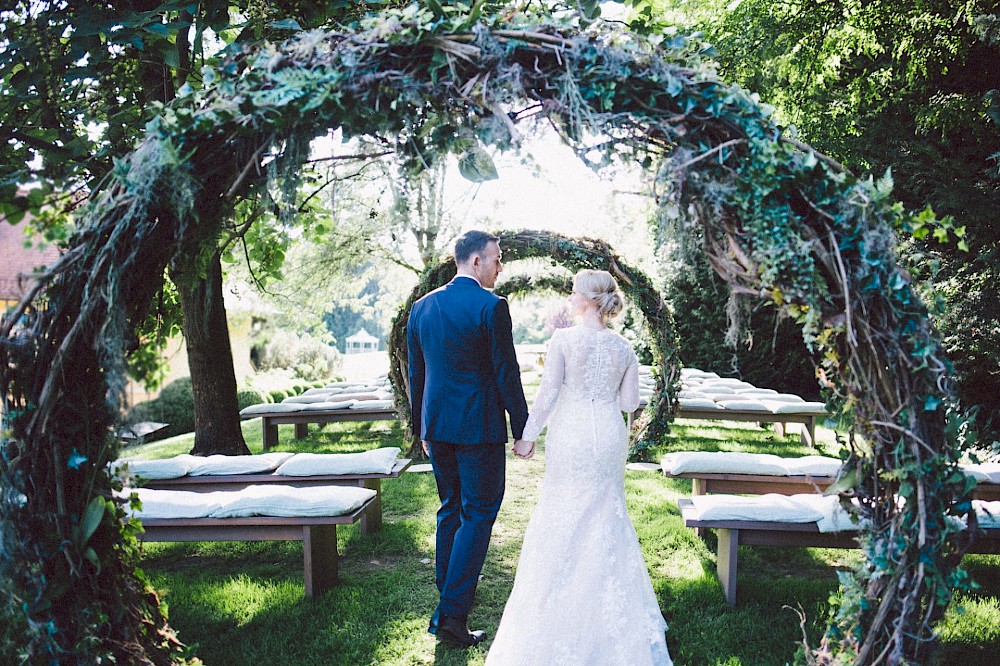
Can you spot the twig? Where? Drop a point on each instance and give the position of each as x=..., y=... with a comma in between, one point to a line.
x=709, y=153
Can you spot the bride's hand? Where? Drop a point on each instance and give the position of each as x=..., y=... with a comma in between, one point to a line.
x=524, y=449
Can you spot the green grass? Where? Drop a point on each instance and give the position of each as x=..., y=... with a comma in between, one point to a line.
x=242, y=604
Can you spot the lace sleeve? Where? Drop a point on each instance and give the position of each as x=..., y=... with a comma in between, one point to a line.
x=548, y=390
x=628, y=392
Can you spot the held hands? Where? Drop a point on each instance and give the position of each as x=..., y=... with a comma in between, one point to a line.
x=524, y=449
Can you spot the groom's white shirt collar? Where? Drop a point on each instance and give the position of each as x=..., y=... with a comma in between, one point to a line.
x=471, y=277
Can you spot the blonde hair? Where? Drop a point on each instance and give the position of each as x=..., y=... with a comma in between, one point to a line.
x=600, y=288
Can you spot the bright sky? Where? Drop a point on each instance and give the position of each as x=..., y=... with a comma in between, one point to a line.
x=557, y=192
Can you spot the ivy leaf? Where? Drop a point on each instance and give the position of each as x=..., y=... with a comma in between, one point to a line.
x=931, y=403
x=286, y=24
x=476, y=165
x=75, y=459
x=436, y=7
x=92, y=517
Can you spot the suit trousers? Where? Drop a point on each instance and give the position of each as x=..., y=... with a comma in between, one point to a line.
x=470, y=480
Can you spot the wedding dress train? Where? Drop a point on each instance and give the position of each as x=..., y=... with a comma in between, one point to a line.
x=582, y=594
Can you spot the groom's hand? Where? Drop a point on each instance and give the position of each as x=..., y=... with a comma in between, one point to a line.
x=524, y=449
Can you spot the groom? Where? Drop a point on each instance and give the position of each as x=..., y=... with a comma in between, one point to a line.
x=463, y=377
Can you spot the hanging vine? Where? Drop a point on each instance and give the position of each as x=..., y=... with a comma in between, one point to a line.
x=776, y=219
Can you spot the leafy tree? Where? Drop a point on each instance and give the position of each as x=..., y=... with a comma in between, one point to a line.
x=904, y=85
x=99, y=72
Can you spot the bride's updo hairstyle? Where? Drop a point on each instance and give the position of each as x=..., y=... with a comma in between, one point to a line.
x=600, y=288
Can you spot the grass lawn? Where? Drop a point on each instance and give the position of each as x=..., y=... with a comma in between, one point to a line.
x=239, y=604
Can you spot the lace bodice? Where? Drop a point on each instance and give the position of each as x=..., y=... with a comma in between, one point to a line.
x=585, y=364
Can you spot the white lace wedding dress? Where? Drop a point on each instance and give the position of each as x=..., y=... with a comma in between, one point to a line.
x=582, y=595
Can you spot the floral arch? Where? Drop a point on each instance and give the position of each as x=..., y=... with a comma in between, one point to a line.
x=575, y=254
x=777, y=220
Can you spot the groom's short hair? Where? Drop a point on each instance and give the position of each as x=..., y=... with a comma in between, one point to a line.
x=472, y=242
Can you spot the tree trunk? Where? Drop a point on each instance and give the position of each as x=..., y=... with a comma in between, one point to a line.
x=210, y=358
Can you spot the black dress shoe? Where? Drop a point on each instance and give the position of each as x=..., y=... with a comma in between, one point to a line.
x=455, y=631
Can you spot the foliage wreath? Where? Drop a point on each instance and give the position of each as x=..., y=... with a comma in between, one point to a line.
x=776, y=219
x=576, y=254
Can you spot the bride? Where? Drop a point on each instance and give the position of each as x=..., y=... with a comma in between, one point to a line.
x=582, y=594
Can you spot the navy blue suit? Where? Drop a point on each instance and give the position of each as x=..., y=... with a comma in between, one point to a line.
x=464, y=381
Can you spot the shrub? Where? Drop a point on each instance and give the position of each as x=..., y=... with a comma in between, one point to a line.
x=277, y=395
x=309, y=357
x=176, y=404
x=250, y=396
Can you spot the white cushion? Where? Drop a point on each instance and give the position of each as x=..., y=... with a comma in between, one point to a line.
x=987, y=513
x=373, y=404
x=722, y=462
x=271, y=408
x=698, y=403
x=723, y=398
x=376, y=461
x=272, y=500
x=713, y=391
x=164, y=468
x=988, y=472
x=320, y=406
x=786, y=397
x=344, y=385
x=812, y=465
x=835, y=517
x=180, y=503
x=745, y=405
x=261, y=463
x=794, y=407
x=322, y=391
x=767, y=508
x=307, y=399
x=357, y=395
x=693, y=373
x=732, y=382
x=754, y=391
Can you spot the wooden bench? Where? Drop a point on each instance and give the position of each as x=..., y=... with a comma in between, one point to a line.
x=303, y=418
x=317, y=534
x=371, y=519
x=735, y=533
x=780, y=421
x=705, y=483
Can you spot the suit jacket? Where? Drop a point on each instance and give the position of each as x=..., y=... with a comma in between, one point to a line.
x=462, y=368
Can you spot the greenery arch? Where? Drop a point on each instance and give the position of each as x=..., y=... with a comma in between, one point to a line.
x=576, y=254
x=777, y=220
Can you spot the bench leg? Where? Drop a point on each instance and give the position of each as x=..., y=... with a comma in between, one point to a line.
x=779, y=429
x=729, y=541
x=270, y=433
x=301, y=430
x=699, y=487
x=371, y=519
x=809, y=433
x=319, y=549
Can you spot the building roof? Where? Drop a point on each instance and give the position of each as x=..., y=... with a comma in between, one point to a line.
x=362, y=336
x=19, y=263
